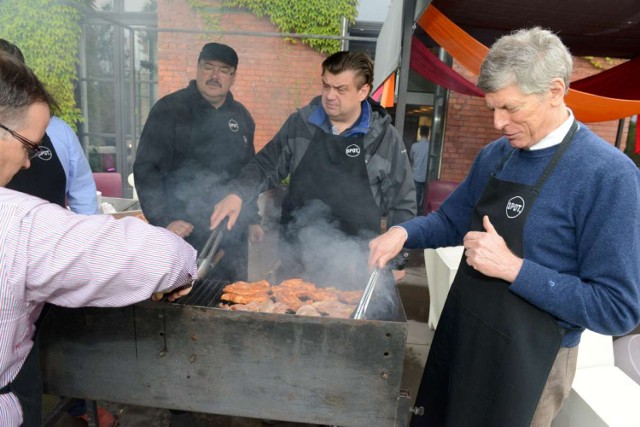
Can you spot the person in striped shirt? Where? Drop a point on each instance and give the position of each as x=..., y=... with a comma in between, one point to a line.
x=49, y=254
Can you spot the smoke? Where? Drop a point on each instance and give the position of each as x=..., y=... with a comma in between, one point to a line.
x=315, y=248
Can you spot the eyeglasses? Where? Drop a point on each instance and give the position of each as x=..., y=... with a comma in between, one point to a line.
x=33, y=149
x=224, y=70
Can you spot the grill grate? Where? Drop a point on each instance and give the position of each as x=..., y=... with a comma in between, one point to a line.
x=204, y=294
x=385, y=304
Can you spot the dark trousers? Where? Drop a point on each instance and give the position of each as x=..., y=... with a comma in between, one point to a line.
x=419, y=196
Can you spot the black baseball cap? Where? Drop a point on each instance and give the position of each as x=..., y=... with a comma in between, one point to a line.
x=219, y=52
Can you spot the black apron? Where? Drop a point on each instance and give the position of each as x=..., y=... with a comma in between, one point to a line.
x=203, y=166
x=329, y=188
x=45, y=178
x=492, y=351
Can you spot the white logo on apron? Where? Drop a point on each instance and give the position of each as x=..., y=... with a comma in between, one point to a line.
x=515, y=206
x=233, y=126
x=45, y=154
x=353, y=150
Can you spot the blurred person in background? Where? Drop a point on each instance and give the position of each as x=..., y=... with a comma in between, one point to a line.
x=419, y=156
x=61, y=173
x=547, y=216
x=194, y=142
x=49, y=254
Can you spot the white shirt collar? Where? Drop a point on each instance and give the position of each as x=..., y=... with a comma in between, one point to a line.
x=556, y=136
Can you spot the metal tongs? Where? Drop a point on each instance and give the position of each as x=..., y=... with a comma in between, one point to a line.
x=210, y=256
x=361, y=309
x=206, y=261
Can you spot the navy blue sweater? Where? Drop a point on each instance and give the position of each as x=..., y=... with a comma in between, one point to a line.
x=581, y=239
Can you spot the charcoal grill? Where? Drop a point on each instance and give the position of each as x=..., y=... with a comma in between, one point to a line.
x=192, y=356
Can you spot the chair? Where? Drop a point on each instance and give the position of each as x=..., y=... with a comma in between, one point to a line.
x=601, y=394
x=437, y=193
x=108, y=183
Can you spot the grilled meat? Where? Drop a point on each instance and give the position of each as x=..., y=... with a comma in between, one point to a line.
x=245, y=288
x=247, y=298
x=323, y=294
x=350, y=297
x=335, y=308
x=292, y=295
x=308, y=310
x=287, y=297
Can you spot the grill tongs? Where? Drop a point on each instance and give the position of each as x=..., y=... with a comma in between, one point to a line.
x=361, y=309
x=209, y=255
x=206, y=261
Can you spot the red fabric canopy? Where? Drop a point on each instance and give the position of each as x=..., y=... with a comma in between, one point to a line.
x=587, y=107
x=621, y=82
x=429, y=66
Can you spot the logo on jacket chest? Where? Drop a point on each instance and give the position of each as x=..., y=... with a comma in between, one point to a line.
x=515, y=206
x=353, y=150
x=233, y=126
x=45, y=154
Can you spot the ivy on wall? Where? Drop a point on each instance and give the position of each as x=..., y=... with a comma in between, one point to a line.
x=597, y=62
x=201, y=8
x=631, y=142
x=48, y=33
x=294, y=16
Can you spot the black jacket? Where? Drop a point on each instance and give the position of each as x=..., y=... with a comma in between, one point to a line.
x=388, y=166
x=187, y=155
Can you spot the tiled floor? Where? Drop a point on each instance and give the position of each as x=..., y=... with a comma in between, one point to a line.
x=414, y=294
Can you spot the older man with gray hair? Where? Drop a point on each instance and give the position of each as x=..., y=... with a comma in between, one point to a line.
x=546, y=217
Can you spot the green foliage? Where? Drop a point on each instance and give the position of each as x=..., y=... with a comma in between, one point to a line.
x=631, y=143
x=597, y=63
x=201, y=7
x=48, y=33
x=304, y=17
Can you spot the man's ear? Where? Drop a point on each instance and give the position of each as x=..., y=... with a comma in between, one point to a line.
x=363, y=93
x=557, y=90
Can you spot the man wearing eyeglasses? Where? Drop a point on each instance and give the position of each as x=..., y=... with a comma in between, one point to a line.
x=59, y=172
x=193, y=143
x=49, y=254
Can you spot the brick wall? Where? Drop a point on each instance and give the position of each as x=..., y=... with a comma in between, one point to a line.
x=275, y=76
x=469, y=124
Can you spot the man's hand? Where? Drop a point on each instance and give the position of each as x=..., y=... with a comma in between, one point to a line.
x=385, y=247
x=228, y=207
x=398, y=275
x=181, y=228
x=256, y=233
x=174, y=294
x=178, y=293
x=487, y=252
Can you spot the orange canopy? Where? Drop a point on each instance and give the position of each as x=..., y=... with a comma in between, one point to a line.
x=470, y=54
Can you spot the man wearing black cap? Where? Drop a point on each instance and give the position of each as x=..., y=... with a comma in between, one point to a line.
x=194, y=142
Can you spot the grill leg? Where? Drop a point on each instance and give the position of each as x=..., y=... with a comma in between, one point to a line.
x=403, y=415
x=52, y=417
x=92, y=413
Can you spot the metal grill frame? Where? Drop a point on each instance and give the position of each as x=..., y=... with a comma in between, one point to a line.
x=260, y=365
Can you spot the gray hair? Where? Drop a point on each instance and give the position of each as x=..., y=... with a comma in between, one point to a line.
x=529, y=58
